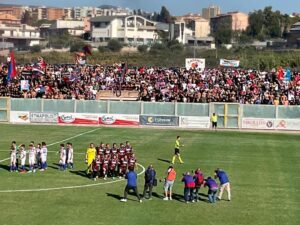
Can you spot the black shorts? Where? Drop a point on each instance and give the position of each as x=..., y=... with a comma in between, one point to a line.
x=214, y=124
x=176, y=151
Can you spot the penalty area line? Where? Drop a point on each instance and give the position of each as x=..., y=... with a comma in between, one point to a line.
x=58, y=142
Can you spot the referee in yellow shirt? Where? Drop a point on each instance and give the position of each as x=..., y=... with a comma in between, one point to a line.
x=214, y=121
x=177, y=150
x=89, y=157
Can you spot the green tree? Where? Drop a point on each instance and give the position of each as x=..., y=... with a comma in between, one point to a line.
x=142, y=48
x=165, y=16
x=223, y=34
x=35, y=48
x=114, y=45
x=76, y=45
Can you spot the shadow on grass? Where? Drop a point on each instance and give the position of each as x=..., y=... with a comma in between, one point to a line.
x=164, y=160
x=81, y=173
x=5, y=167
x=53, y=167
x=154, y=194
x=118, y=197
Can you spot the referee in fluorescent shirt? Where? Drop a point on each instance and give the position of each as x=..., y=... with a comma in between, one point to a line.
x=177, y=150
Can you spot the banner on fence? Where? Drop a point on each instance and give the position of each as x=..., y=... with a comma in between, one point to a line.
x=159, y=120
x=119, y=120
x=39, y=117
x=194, y=122
x=287, y=124
x=19, y=117
x=258, y=123
x=229, y=63
x=78, y=118
x=195, y=63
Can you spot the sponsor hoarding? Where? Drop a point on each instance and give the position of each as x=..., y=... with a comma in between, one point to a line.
x=194, y=122
x=39, y=117
x=195, y=63
x=78, y=118
x=119, y=120
x=159, y=120
x=287, y=124
x=258, y=123
x=229, y=63
x=19, y=117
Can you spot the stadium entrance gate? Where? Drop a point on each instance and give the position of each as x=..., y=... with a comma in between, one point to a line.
x=228, y=114
x=4, y=109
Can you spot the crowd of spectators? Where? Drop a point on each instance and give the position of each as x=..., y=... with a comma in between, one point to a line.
x=68, y=81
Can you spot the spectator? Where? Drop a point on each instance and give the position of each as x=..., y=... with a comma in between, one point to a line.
x=66, y=81
x=224, y=183
x=131, y=177
x=150, y=174
x=169, y=182
x=189, y=185
x=212, y=189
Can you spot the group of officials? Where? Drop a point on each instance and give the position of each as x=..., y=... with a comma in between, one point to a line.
x=193, y=181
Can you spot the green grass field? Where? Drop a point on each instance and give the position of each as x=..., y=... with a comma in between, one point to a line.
x=263, y=169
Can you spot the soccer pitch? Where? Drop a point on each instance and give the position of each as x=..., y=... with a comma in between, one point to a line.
x=263, y=170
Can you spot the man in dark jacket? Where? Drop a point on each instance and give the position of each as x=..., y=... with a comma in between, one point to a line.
x=131, y=177
x=149, y=181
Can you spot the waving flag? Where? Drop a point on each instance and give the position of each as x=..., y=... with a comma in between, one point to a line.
x=12, y=70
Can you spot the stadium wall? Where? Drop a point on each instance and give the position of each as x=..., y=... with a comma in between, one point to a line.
x=115, y=113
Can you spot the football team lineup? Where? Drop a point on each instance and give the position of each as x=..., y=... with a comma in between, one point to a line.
x=67, y=187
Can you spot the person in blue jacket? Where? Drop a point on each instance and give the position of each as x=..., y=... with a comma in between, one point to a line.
x=131, y=177
x=212, y=189
x=150, y=174
x=224, y=183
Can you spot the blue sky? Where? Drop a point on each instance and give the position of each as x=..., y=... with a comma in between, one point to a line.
x=176, y=7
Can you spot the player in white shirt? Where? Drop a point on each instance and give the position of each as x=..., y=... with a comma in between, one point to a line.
x=44, y=152
x=62, y=157
x=70, y=155
x=13, y=158
x=31, y=158
x=23, y=158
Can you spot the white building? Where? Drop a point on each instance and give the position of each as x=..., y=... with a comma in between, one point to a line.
x=81, y=12
x=74, y=27
x=129, y=29
x=21, y=36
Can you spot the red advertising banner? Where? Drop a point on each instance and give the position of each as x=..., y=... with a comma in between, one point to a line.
x=119, y=120
x=78, y=118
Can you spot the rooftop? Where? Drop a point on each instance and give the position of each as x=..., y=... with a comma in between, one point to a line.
x=105, y=18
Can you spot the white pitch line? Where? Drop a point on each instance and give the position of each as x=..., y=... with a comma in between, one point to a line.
x=58, y=142
x=69, y=187
x=4, y=160
x=78, y=135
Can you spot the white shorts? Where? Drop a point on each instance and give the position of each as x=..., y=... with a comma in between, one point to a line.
x=31, y=161
x=44, y=159
x=13, y=159
x=23, y=161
